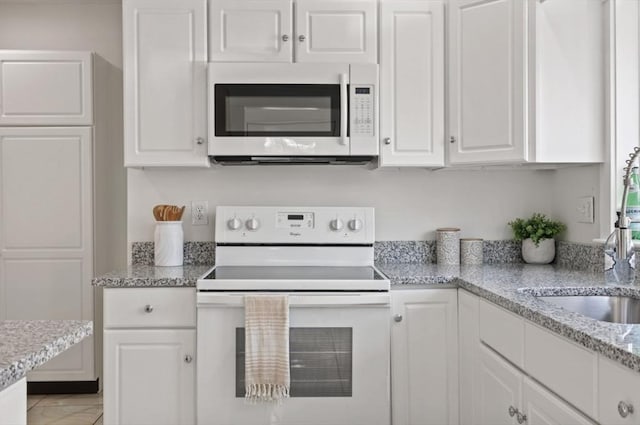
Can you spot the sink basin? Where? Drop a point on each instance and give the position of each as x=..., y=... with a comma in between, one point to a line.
x=615, y=309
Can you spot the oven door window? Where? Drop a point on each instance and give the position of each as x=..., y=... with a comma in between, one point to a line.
x=320, y=362
x=277, y=110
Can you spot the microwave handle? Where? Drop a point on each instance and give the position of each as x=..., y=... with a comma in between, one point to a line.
x=343, y=109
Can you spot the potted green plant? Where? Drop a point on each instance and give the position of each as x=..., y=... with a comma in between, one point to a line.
x=537, y=235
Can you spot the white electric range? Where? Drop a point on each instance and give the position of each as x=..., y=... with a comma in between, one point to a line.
x=322, y=258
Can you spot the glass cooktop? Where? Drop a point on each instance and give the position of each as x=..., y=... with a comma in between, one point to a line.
x=294, y=273
x=293, y=278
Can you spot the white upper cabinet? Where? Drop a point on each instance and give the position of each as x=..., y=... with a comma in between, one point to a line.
x=526, y=81
x=336, y=31
x=251, y=30
x=45, y=88
x=412, y=83
x=283, y=31
x=165, y=83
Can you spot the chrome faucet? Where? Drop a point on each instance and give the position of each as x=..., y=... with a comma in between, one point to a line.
x=621, y=249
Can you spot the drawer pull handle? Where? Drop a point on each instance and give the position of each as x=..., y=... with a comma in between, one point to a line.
x=625, y=409
x=522, y=418
x=398, y=317
x=188, y=358
x=512, y=411
x=148, y=308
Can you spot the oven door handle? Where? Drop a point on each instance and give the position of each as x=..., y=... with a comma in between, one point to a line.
x=344, y=104
x=216, y=299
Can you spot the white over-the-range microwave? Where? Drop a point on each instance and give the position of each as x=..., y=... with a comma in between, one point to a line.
x=293, y=113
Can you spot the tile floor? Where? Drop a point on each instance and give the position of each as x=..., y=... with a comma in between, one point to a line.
x=64, y=409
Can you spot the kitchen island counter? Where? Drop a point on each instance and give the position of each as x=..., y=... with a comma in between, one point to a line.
x=27, y=344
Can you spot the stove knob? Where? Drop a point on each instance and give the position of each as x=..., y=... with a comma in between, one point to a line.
x=336, y=224
x=355, y=224
x=252, y=224
x=234, y=224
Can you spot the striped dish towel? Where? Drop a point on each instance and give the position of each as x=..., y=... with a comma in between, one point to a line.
x=266, y=361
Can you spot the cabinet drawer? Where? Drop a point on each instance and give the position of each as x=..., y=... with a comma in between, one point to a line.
x=503, y=331
x=617, y=384
x=149, y=307
x=566, y=368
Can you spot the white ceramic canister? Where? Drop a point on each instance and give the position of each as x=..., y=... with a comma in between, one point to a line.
x=169, y=243
x=448, y=246
x=471, y=251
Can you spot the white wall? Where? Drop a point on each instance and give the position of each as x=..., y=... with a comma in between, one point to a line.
x=410, y=204
x=72, y=25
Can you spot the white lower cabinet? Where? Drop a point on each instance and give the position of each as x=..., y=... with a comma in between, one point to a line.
x=149, y=365
x=494, y=391
x=500, y=389
x=424, y=367
x=619, y=398
x=13, y=403
x=541, y=407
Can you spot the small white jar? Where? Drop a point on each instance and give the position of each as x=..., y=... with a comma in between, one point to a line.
x=448, y=246
x=471, y=251
x=168, y=243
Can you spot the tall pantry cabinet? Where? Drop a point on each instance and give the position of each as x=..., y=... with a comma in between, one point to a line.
x=62, y=193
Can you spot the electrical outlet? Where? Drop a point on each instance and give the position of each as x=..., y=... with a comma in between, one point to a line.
x=199, y=213
x=584, y=207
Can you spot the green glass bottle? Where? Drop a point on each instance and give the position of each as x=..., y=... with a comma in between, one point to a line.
x=633, y=203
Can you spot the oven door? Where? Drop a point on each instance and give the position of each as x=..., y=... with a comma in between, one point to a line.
x=339, y=360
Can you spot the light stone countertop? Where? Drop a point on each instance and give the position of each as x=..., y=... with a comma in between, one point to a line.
x=27, y=344
x=512, y=286
x=138, y=276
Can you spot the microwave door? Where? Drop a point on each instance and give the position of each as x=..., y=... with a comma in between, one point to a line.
x=286, y=120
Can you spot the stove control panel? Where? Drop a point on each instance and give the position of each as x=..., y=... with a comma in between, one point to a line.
x=295, y=225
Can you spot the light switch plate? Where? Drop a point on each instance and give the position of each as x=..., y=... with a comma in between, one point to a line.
x=584, y=207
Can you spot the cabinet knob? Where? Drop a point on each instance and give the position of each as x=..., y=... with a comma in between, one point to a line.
x=452, y=139
x=285, y=37
x=522, y=418
x=398, y=317
x=387, y=140
x=199, y=140
x=625, y=409
x=188, y=358
x=148, y=308
x=301, y=38
x=512, y=411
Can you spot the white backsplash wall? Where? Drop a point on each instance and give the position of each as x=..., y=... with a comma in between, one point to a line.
x=410, y=203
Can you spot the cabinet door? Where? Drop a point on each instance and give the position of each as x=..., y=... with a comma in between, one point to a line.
x=45, y=88
x=336, y=31
x=165, y=83
x=46, y=236
x=617, y=390
x=250, y=30
x=488, y=53
x=499, y=389
x=544, y=408
x=412, y=83
x=469, y=346
x=424, y=361
x=149, y=376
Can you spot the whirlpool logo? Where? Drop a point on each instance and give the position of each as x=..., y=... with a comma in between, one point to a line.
x=295, y=234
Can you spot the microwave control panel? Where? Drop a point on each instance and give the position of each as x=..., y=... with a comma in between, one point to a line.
x=363, y=111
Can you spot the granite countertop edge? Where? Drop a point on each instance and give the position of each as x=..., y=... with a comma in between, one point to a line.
x=511, y=286
x=27, y=344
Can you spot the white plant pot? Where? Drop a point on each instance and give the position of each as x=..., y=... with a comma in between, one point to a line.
x=541, y=254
